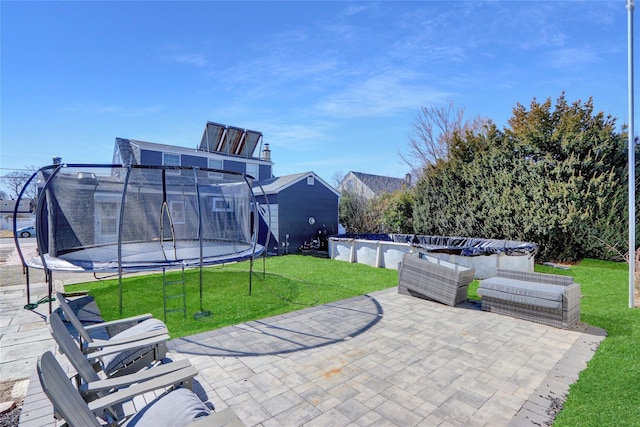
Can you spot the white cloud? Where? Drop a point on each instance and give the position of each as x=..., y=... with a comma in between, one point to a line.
x=195, y=59
x=572, y=57
x=380, y=95
x=183, y=55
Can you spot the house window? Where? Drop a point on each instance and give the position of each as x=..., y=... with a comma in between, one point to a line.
x=310, y=180
x=169, y=159
x=106, y=217
x=220, y=204
x=176, y=208
x=215, y=164
x=109, y=219
x=253, y=170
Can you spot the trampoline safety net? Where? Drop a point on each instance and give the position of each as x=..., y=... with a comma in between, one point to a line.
x=106, y=217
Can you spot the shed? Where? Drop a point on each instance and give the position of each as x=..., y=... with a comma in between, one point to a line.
x=302, y=207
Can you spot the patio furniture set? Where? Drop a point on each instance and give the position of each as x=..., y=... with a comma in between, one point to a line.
x=548, y=299
x=111, y=370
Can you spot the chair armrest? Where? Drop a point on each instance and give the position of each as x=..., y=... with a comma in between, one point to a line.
x=155, y=340
x=173, y=378
x=134, y=319
x=572, y=292
x=140, y=376
x=101, y=344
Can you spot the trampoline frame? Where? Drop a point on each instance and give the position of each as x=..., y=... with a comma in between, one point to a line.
x=255, y=248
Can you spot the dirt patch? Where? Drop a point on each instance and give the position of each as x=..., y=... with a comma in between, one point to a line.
x=12, y=391
x=5, y=253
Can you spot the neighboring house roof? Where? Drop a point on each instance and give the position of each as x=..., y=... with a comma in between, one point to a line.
x=276, y=185
x=375, y=184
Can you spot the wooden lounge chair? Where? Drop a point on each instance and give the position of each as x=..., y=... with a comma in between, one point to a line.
x=92, y=386
x=112, y=353
x=178, y=407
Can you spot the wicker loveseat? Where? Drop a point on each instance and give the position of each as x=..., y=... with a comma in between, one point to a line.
x=542, y=298
x=431, y=278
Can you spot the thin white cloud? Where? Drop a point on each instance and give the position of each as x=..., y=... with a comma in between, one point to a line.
x=301, y=136
x=573, y=57
x=182, y=55
x=194, y=59
x=378, y=96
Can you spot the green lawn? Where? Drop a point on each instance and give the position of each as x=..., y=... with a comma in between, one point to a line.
x=607, y=393
x=290, y=283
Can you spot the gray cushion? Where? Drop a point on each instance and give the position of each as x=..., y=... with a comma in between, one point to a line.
x=520, y=299
x=524, y=288
x=120, y=360
x=522, y=292
x=176, y=409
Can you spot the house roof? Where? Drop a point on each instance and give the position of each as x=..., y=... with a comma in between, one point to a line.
x=276, y=185
x=126, y=147
x=380, y=184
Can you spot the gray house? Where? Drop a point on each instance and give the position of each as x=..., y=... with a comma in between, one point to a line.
x=24, y=218
x=370, y=186
x=302, y=207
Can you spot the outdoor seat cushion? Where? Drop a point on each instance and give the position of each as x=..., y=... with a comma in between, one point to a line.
x=522, y=292
x=176, y=408
x=117, y=361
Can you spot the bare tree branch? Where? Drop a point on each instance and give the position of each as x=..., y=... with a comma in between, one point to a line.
x=432, y=135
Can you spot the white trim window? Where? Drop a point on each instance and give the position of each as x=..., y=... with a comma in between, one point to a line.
x=215, y=164
x=178, y=215
x=171, y=159
x=106, y=218
x=220, y=204
x=253, y=169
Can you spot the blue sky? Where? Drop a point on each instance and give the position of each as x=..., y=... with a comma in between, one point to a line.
x=334, y=86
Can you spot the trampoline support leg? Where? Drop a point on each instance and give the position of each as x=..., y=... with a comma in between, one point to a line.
x=50, y=286
x=202, y=313
x=25, y=271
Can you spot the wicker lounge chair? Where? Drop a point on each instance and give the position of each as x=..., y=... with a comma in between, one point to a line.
x=149, y=334
x=549, y=299
x=434, y=279
x=176, y=408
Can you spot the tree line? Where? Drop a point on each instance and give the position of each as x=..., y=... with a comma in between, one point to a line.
x=556, y=175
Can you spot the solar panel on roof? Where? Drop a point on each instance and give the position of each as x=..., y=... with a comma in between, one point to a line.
x=229, y=139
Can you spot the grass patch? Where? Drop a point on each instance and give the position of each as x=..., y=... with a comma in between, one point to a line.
x=608, y=391
x=606, y=394
x=290, y=283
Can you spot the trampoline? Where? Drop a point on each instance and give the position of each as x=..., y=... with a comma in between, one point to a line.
x=114, y=218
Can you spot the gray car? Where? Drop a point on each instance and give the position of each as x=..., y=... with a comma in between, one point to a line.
x=26, y=231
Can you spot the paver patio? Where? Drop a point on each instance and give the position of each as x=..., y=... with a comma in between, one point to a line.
x=379, y=359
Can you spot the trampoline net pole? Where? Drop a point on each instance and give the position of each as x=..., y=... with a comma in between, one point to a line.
x=202, y=312
x=122, y=208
